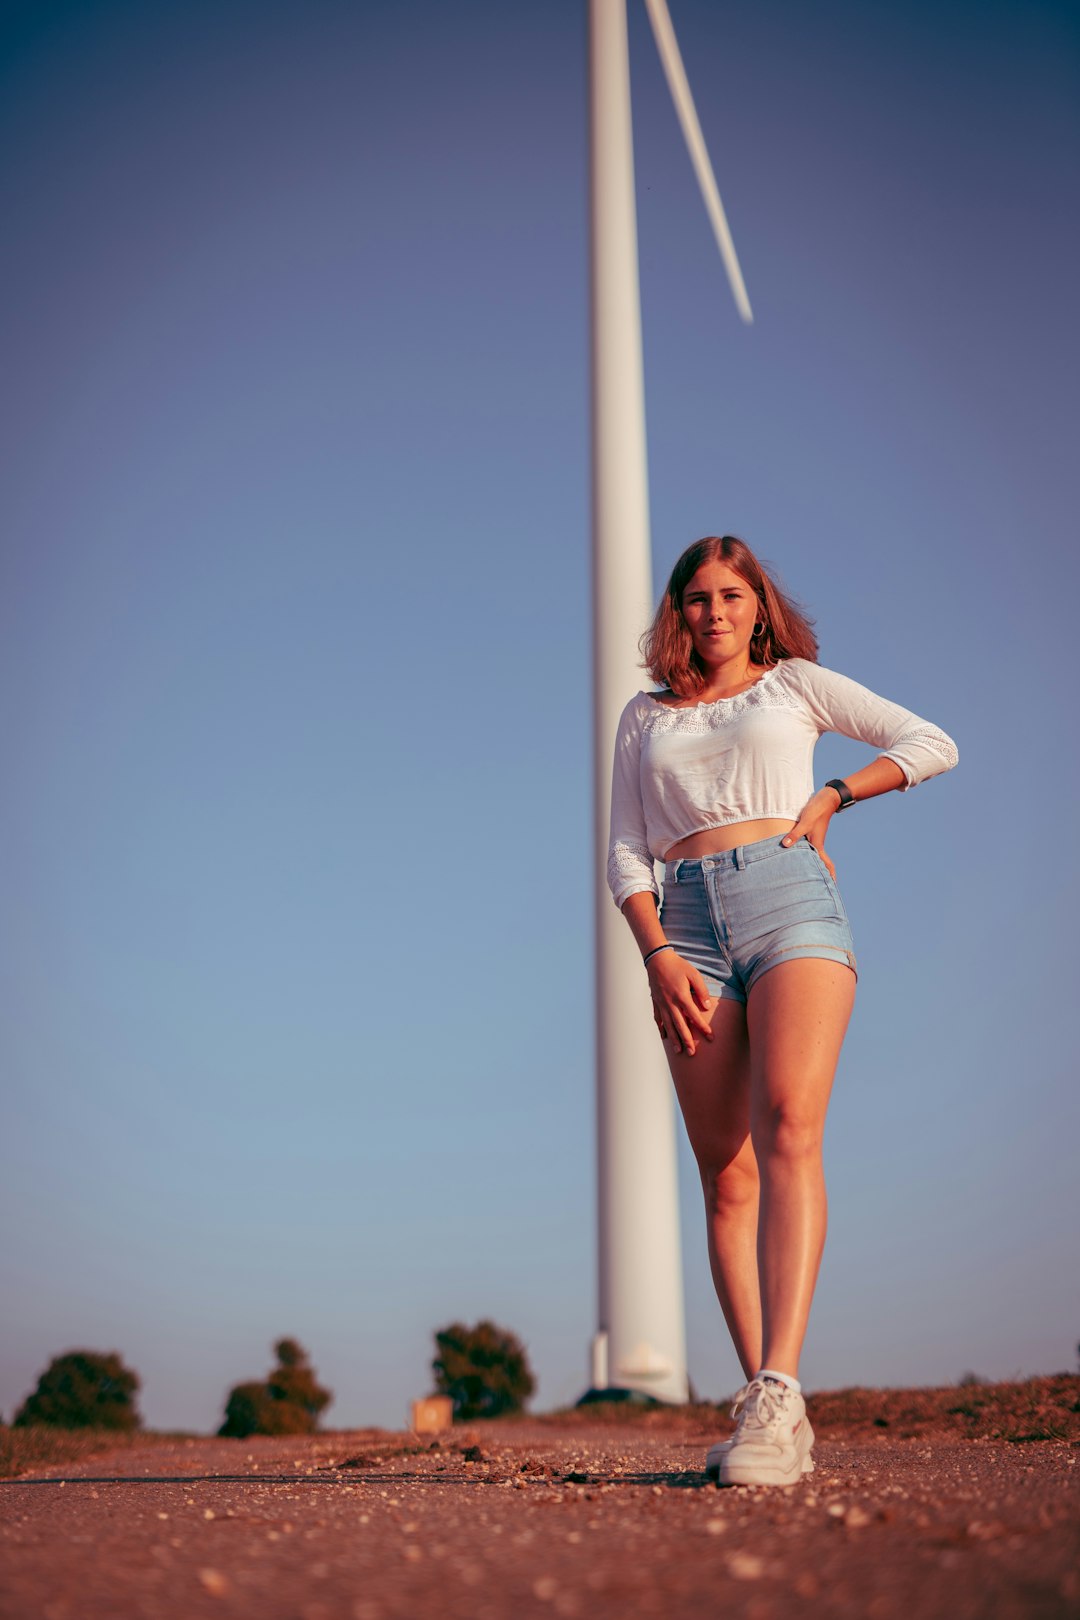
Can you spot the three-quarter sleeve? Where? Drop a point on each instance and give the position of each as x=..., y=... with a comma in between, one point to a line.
x=630, y=865
x=837, y=703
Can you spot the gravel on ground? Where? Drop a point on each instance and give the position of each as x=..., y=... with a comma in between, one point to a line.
x=528, y=1519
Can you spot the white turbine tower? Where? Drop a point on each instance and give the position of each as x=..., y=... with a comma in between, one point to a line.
x=640, y=1343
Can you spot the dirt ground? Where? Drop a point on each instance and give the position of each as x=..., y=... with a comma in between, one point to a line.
x=530, y=1519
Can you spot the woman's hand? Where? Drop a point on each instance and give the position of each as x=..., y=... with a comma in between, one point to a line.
x=681, y=1001
x=813, y=823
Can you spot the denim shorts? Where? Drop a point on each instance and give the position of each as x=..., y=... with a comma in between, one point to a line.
x=739, y=913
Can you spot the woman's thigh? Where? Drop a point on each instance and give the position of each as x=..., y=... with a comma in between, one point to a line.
x=797, y=1016
x=713, y=1088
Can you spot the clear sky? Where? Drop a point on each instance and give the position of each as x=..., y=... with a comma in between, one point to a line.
x=295, y=966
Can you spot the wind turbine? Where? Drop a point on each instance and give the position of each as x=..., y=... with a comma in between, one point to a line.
x=640, y=1343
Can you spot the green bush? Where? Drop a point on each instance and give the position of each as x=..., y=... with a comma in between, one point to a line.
x=83, y=1389
x=484, y=1370
x=288, y=1402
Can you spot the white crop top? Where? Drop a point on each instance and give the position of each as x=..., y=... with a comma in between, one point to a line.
x=744, y=758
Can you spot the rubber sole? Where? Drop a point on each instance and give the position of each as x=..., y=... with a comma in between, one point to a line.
x=712, y=1471
x=720, y=1468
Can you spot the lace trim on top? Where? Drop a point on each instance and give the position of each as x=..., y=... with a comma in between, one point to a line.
x=930, y=737
x=630, y=863
x=705, y=717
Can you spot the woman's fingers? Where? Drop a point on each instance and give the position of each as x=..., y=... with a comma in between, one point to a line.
x=696, y=1020
x=672, y=1025
x=829, y=865
x=681, y=1001
x=685, y=1024
x=682, y=1034
x=700, y=992
x=814, y=832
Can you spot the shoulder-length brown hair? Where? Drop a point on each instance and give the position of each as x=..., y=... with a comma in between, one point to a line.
x=667, y=650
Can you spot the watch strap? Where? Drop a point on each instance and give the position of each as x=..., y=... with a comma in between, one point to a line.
x=846, y=795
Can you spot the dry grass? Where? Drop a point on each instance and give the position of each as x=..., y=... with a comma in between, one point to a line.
x=40, y=1446
x=1035, y=1409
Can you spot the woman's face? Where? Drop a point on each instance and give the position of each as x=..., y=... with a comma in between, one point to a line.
x=720, y=610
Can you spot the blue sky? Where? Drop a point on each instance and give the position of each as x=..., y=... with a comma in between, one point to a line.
x=295, y=977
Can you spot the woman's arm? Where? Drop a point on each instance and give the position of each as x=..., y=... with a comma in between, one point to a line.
x=919, y=748
x=630, y=865
x=681, y=1000
x=913, y=749
x=880, y=776
x=679, y=993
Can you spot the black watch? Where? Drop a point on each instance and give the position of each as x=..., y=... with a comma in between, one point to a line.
x=846, y=795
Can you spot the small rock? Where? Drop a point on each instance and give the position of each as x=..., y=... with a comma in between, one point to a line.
x=545, y=1588
x=214, y=1582
x=746, y=1566
x=985, y=1530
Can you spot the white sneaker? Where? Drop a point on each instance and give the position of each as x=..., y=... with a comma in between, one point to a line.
x=771, y=1445
x=714, y=1454
x=712, y=1460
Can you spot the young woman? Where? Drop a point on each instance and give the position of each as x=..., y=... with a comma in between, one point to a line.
x=750, y=959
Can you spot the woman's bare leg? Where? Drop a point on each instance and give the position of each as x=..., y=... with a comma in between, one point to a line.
x=797, y=1016
x=713, y=1088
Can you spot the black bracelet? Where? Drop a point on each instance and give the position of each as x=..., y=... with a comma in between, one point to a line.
x=655, y=952
x=843, y=793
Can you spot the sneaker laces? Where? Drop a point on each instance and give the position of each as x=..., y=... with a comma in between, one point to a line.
x=761, y=1405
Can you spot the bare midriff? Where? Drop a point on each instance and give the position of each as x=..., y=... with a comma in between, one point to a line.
x=714, y=839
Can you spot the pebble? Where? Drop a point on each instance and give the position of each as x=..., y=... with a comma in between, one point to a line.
x=745, y=1566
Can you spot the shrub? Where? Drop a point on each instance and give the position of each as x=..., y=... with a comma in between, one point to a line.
x=288, y=1402
x=484, y=1370
x=83, y=1389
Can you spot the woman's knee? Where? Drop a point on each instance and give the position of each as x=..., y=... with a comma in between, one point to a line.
x=787, y=1132
x=732, y=1183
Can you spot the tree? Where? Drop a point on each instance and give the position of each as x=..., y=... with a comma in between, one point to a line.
x=288, y=1402
x=83, y=1389
x=484, y=1370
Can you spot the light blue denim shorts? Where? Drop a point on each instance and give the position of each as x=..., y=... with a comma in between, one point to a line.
x=737, y=914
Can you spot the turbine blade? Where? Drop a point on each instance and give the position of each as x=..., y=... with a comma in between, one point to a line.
x=675, y=73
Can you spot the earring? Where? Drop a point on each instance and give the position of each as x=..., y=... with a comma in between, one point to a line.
x=759, y=628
